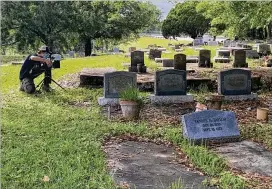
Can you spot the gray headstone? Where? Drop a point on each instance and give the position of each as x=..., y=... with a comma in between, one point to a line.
x=154, y=53
x=137, y=57
x=252, y=54
x=234, y=82
x=116, y=50
x=263, y=48
x=223, y=53
x=180, y=62
x=212, y=125
x=116, y=82
x=198, y=41
x=212, y=43
x=226, y=43
x=239, y=58
x=204, y=59
x=170, y=82
x=167, y=62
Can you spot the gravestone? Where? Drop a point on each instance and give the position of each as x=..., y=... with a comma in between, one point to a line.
x=198, y=41
x=114, y=83
x=235, y=84
x=252, y=54
x=204, y=59
x=137, y=62
x=222, y=56
x=180, y=62
x=223, y=53
x=212, y=43
x=72, y=54
x=167, y=62
x=210, y=125
x=226, y=43
x=240, y=59
x=154, y=53
x=170, y=87
x=170, y=82
x=264, y=49
x=116, y=50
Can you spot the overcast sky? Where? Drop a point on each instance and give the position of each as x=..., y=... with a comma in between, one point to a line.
x=163, y=5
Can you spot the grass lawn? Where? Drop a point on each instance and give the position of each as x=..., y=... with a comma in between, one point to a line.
x=49, y=141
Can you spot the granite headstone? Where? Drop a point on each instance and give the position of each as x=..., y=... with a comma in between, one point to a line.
x=210, y=125
x=154, y=53
x=180, y=62
x=204, y=59
x=240, y=59
x=234, y=82
x=115, y=82
x=170, y=82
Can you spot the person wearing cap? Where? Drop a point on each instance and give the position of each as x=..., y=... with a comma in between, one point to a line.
x=33, y=66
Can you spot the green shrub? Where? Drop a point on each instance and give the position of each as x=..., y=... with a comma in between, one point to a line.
x=131, y=94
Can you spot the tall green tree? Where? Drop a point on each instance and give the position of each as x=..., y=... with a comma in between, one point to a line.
x=62, y=24
x=28, y=23
x=184, y=19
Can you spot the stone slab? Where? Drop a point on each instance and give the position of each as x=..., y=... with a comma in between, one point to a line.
x=247, y=156
x=171, y=99
x=102, y=101
x=94, y=76
x=221, y=59
x=252, y=96
x=144, y=165
x=190, y=59
x=210, y=125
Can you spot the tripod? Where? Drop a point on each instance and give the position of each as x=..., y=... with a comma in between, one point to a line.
x=42, y=83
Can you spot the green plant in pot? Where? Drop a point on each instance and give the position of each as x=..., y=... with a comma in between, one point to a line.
x=131, y=103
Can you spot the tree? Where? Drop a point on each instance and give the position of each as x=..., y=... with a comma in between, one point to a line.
x=113, y=20
x=184, y=19
x=31, y=23
x=243, y=19
x=61, y=24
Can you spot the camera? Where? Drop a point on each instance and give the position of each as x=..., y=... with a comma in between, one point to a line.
x=55, y=59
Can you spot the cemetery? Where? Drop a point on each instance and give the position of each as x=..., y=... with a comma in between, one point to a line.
x=151, y=112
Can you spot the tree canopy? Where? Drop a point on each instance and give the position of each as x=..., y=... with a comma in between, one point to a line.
x=62, y=24
x=184, y=19
x=244, y=19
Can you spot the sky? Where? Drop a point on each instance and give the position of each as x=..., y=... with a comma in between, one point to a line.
x=163, y=5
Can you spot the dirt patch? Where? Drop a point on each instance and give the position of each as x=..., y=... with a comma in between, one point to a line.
x=159, y=116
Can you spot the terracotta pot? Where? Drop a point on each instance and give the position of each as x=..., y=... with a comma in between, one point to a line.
x=130, y=109
x=262, y=114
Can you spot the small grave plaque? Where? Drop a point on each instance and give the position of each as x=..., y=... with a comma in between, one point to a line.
x=234, y=82
x=170, y=82
x=115, y=82
x=212, y=125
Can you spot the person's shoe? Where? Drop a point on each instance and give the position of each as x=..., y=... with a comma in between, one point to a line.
x=46, y=88
x=21, y=87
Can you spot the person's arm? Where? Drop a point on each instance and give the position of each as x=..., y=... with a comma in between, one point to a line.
x=40, y=59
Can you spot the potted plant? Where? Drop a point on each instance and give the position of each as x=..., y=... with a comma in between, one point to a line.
x=131, y=103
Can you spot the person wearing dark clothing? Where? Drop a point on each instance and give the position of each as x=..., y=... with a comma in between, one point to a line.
x=33, y=66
